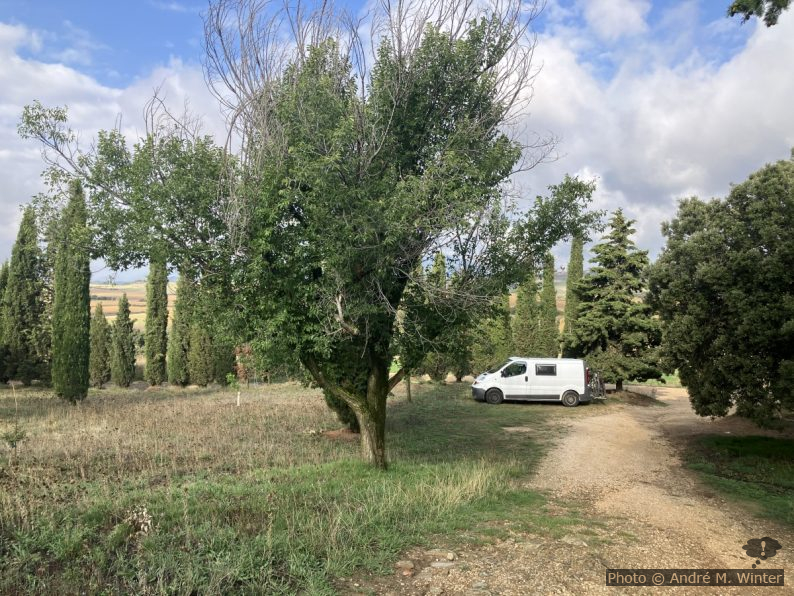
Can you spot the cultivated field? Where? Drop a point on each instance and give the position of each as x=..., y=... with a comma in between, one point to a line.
x=108, y=295
x=174, y=490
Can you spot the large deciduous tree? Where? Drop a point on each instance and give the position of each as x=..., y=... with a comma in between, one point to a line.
x=71, y=312
x=356, y=174
x=23, y=305
x=615, y=329
x=156, y=334
x=122, y=360
x=724, y=286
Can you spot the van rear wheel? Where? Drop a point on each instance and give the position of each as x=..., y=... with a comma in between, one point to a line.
x=570, y=399
x=494, y=396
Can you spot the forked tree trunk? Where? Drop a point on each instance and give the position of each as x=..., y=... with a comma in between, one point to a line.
x=369, y=408
x=372, y=417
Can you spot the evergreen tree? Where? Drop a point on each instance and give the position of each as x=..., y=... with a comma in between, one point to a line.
x=156, y=337
x=3, y=349
x=724, y=288
x=615, y=330
x=99, y=359
x=575, y=273
x=548, y=332
x=71, y=312
x=179, y=338
x=3, y=285
x=223, y=361
x=200, y=357
x=23, y=305
x=122, y=361
x=534, y=326
x=436, y=363
x=525, y=320
x=493, y=341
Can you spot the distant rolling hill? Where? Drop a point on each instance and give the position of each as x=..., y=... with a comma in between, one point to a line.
x=108, y=295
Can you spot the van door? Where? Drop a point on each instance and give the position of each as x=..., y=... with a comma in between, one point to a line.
x=544, y=382
x=514, y=380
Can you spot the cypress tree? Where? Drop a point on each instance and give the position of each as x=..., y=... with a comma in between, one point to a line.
x=525, y=320
x=548, y=333
x=156, y=336
x=122, y=362
x=179, y=338
x=99, y=361
x=3, y=285
x=71, y=312
x=575, y=273
x=3, y=349
x=200, y=357
x=23, y=304
x=615, y=329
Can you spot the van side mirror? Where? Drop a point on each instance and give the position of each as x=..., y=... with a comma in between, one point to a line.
x=504, y=373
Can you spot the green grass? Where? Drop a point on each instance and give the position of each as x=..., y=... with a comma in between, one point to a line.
x=755, y=471
x=667, y=381
x=182, y=492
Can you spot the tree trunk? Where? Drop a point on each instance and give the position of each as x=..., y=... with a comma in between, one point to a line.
x=619, y=385
x=372, y=417
x=408, y=386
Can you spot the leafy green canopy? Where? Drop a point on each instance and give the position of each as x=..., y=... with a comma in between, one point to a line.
x=724, y=286
x=164, y=196
x=615, y=329
x=71, y=313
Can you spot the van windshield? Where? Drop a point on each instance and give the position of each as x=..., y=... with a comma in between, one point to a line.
x=493, y=369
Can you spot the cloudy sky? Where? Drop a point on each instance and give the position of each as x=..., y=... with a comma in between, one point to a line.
x=654, y=100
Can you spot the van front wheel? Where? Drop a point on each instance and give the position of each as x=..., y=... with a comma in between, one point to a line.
x=494, y=396
x=570, y=399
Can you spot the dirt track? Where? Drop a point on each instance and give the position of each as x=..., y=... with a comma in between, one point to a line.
x=647, y=511
x=634, y=477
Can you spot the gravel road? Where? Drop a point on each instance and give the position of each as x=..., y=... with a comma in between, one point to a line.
x=645, y=510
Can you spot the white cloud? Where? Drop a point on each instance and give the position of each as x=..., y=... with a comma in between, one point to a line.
x=658, y=129
x=173, y=6
x=613, y=19
x=667, y=120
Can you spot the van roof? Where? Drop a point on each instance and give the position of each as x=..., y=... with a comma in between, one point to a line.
x=548, y=358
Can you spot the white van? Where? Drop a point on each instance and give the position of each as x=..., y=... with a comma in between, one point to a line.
x=563, y=380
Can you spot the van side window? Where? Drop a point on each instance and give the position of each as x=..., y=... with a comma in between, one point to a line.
x=515, y=369
x=546, y=370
